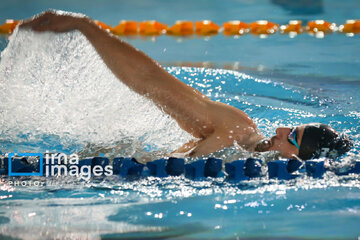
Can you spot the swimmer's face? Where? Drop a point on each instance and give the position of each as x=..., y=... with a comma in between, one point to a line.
x=280, y=142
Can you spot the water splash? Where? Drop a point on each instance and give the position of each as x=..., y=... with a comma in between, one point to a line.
x=56, y=86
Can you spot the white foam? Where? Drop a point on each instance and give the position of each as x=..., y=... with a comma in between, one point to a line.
x=57, y=84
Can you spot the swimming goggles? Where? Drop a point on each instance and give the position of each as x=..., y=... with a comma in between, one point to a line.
x=292, y=138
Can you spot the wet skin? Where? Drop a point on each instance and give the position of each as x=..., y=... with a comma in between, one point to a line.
x=215, y=125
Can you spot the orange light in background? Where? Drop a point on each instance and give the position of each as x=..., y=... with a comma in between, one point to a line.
x=103, y=26
x=320, y=26
x=152, y=28
x=351, y=26
x=263, y=27
x=125, y=27
x=235, y=28
x=294, y=26
x=181, y=28
x=206, y=27
x=9, y=26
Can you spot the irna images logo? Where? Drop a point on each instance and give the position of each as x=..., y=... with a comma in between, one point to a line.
x=57, y=164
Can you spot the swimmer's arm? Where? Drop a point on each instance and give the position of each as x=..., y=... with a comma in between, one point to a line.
x=134, y=68
x=193, y=111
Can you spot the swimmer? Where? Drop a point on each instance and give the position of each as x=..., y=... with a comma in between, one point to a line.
x=216, y=125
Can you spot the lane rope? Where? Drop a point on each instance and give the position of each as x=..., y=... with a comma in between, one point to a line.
x=262, y=28
x=125, y=167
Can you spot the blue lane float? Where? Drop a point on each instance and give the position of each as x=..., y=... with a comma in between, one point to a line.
x=175, y=166
x=252, y=167
x=355, y=169
x=279, y=169
x=166, y=167
x=99, y=161
x=157, y=168
x=315, y=168
x=213, y=168
x=127, y=167
x=235, y=171
x=200, y=169
x=195, y=170
x=87, y=162
x=294, y=165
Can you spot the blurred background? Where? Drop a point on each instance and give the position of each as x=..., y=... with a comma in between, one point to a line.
x=302, y=60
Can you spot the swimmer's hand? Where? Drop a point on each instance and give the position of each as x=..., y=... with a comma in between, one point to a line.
x=54, y=21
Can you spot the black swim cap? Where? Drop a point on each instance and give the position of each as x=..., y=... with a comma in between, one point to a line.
x=320, y=140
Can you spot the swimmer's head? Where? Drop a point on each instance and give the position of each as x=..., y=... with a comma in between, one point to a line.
x=307, y=142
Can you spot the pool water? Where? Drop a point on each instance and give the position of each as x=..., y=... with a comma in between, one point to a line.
x=52, y=99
